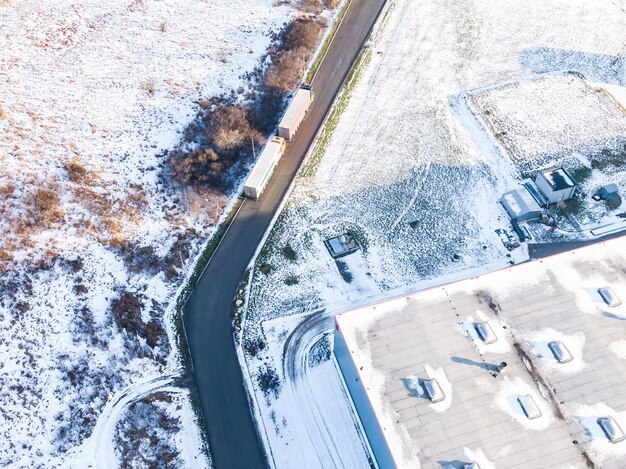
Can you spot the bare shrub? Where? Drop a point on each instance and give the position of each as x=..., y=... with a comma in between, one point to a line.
x=3, y=113
x=303, y=33
x=331, y=4
x=268, y=381
x=298, y=40
x=149, y=86
x=154, y=333
x=75, y=170
x=227, y=139
x=311, y=6
x=229, y=127
x=286, y=71
x=127, y=316
x=140, y=437
x=127, y=313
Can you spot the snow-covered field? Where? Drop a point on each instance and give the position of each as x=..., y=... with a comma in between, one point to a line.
x=545, y=117
x=560, y=119
x=410, y=173
x=93, y=247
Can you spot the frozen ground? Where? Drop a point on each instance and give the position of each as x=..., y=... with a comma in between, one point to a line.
x=91, y=95
x=542, y=118
x=560, y=120
x=406, y=168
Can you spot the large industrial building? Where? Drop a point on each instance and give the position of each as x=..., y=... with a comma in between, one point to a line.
x=523, y=367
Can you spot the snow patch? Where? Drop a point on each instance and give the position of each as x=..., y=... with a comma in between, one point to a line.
x=575, y=343
x=506, y=400
x=618, y=348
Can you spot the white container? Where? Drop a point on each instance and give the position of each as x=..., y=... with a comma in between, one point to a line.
x=263, y=168
x=295, y=113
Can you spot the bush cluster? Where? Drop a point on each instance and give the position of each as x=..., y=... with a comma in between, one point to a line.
x=127, y=315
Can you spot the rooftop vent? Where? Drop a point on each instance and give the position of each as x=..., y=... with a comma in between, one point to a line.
x=609, y=296
x=560, y=352
x=611, y=429
x=485, y=332
x=527, y=403
x=433, y=390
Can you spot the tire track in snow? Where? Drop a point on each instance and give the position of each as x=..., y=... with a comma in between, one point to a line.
x=295, y=363
x=103, y=451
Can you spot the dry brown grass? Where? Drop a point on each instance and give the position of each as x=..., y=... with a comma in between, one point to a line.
x=45, y=207
x=300, y=39
x=75, y=170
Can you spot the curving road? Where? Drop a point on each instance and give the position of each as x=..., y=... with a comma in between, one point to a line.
x=231, y=430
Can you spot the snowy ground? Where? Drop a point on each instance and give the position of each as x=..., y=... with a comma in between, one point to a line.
x=91, y=95
x=556, y=120
x=409, y=171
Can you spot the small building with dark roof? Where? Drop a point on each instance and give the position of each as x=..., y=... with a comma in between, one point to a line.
x=556, y=184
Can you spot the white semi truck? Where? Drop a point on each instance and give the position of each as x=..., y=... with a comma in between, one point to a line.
x=295, y=112
x=264, y=167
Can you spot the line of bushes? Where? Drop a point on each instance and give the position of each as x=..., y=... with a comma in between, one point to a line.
x=223, y=132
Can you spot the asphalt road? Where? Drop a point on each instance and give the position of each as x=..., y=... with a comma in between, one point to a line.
x=539, y=250
x=232, y=434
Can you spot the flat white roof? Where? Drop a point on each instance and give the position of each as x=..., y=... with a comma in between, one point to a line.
x=431, y=334
x=559, y=179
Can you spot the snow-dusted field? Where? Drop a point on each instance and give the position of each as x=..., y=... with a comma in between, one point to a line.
x=91, y=95
x=560, y=119
x=545, y=117
x=409, y=171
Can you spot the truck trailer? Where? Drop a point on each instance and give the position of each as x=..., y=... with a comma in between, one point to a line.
x=295, y=112
x=264, y=167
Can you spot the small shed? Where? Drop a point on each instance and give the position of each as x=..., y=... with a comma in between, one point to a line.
x=608, y=191
x=556, y=184
x=520, y=205
x=342, y=245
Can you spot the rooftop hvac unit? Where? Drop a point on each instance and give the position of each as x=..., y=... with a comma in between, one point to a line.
x=485, y=332
x=433, y=390
x=527, y=403
x=560, y=352
x=611, y=429
x=609, y=297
